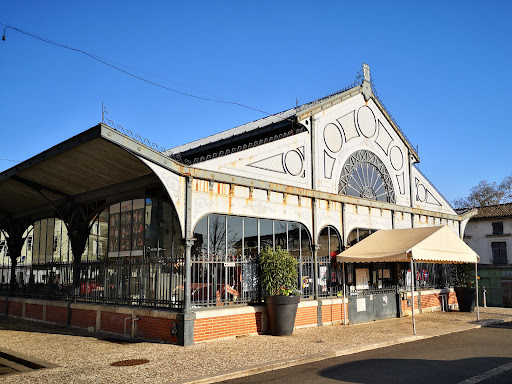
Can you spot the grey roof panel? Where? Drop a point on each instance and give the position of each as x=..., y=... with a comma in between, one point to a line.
x=234, y=131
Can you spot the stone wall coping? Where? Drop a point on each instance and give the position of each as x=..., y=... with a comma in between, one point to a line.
x=435, y=291
x=125, y=310
x=29, y=300
x=230, y=311
x=333, y=301
x=308, y=303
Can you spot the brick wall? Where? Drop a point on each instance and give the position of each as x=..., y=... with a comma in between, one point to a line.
x=3, y=306
x=34, y=311
x=429, y=302
x=15, y=309
x=452, y=298
x=332, y=313
x=114, y=322
x=83, y=318
x=224, y=326
x=56, y=314
x=407, y=308
x=306, y=316
x=155, y=328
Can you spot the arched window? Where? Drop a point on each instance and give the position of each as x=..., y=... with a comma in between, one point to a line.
x=144, y=227
x=365, y=175
x=358, y=234
x=329, y=271
x=224, y=255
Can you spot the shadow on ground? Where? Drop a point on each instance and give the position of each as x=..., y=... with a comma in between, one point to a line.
x=16, y=324
x=396, y=371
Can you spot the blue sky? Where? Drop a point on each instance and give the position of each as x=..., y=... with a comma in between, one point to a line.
x=441, y=68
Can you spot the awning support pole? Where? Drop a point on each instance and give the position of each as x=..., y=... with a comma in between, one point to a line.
x=412, y=297
x=476, y=282
x=344, y=296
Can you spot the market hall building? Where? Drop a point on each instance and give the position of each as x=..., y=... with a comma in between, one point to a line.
x=110, y=231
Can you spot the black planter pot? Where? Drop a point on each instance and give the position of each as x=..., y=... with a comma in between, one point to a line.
x=281, y=312
x=466, y=297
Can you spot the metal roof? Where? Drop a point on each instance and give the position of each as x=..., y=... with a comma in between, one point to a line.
x=266, y=121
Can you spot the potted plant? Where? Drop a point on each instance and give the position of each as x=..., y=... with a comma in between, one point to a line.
x=278, y=279
x=465, y=287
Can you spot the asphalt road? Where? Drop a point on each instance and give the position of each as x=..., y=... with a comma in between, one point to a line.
x=477, y=356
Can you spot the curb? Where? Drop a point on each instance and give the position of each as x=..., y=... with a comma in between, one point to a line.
x=238, y=373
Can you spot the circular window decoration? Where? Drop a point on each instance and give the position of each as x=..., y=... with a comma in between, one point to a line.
x=332, y=137
x=365, y=175
x=396, y=158
x=293, y=162
x=366, y=121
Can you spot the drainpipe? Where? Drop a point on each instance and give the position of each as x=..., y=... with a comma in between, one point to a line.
x=314, y=244
x=411, y=188
x=186, y=318
x=413, y=278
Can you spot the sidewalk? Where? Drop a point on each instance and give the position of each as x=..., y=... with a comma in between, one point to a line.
x=83, y=358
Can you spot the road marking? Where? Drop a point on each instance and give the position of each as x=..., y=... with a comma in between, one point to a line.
x=484, y=376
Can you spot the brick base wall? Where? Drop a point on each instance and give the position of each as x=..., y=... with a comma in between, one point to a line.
x=3, y=306
x=15, y=309
x=306, y=316
x=208, y=325
x=83, y=318
x=156, y=329
x=429, y=301
x=225, y=326
x=332, y=313
x=114, y=322
x=34, y=311
x=57, y=314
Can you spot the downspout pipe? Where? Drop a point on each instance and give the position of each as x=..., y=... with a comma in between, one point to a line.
x=186, y=318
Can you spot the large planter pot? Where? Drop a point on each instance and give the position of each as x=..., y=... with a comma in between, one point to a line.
x=281, y=312
x=466, y=297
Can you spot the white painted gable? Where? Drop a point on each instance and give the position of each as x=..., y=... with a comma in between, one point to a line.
x=284, y=161
x=354, y=125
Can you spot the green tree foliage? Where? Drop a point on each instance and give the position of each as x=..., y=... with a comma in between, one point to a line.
x=487, y=193
x=278, y=271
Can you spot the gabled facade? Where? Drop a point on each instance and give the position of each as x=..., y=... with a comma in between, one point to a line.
x=185, y=226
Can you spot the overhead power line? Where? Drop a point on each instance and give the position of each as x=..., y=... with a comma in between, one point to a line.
x=14, y=161
x=115, y=65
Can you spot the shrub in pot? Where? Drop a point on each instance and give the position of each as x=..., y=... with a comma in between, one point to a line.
x=465, y=287
x=278, y=279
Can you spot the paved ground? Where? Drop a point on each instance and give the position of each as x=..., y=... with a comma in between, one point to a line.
x=477, y=355
x=83, y=358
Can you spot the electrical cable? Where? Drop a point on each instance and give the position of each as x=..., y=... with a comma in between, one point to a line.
x=14, y=161
x=108, y=62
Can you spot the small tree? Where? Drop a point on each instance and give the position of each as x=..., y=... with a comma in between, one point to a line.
x=487, y=193
x=278, y=271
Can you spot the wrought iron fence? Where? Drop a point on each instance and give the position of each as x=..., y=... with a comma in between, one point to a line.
x=144, y=282
x=221, y=282
x=52, y=280
x=135, y=281
x=159, y=282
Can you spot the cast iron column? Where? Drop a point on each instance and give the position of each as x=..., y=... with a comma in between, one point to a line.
x=15, y=243
x=186, y=317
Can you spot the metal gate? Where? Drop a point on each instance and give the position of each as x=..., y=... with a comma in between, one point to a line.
x=370, y=305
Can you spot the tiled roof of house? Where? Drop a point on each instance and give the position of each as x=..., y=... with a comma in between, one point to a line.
x=491, y=211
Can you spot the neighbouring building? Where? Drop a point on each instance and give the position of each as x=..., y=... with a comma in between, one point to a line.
x=489, y=234
x=111, y=231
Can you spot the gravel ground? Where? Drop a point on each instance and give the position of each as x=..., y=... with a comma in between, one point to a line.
x=84, y=358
